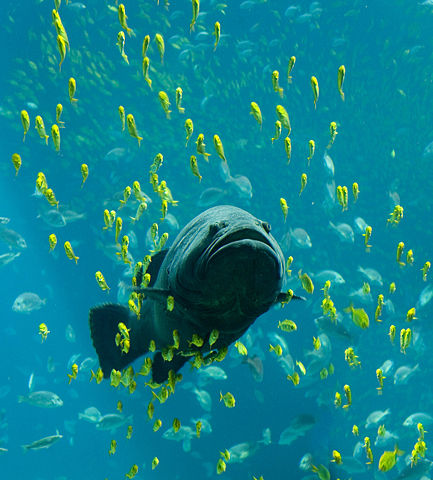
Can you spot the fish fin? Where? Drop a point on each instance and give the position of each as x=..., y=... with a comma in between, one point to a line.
x=186, y=444
x=154, y=293
x=103, y=321
x=155, y=265
x=161, y=367
x=282, y=297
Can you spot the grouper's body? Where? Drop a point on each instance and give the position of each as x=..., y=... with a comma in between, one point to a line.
x=223, y=270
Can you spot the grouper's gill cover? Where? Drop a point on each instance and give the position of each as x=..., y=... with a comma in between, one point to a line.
x=224, y=269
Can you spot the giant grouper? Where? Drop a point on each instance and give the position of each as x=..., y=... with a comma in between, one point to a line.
x=223, y=271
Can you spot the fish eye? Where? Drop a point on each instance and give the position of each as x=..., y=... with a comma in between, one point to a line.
x=266, y=227
x=216, y=227
x=213, y=229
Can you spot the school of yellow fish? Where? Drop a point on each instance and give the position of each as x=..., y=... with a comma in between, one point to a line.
x=151, y=64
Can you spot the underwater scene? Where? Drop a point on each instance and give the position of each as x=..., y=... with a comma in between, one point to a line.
x=215, y=239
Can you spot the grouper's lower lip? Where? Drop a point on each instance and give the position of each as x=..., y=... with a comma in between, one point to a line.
x=243, y=248
x=240, y=235
x=241, y=278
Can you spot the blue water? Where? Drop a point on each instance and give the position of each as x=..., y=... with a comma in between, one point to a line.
x=384, y=126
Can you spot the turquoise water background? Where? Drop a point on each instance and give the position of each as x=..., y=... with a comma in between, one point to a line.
x=384, y=133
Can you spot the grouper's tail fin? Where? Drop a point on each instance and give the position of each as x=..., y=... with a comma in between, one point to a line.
x=104, y=320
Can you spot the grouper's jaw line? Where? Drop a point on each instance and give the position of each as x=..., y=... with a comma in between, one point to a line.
x=221, y=295
x=240, y=234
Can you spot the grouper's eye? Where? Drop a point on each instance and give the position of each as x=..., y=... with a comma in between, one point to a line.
x=216, y=227
x=266, y=227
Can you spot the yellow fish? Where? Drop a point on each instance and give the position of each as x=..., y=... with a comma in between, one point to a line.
x=146, y=71
x=52, y=240
x=123, y=18
x=40, y=127
x=70, y=252
x=292, y=62
x=160, y=45
x=315, y=87
x=72, y=87
x=59, y=110
x=61, y=45
x=283, y=117
x=201, y=147
x=340, y=80
x=179, y=96
x=16, y=160
x=189, y=127
x=194, y=167
x=217, y=33
x=132, y=129
x=256, y=113
x=84, y=173
x=25, y=120
x=165, y=103
x=145, y=46
x=195, y=11
x=219, y=147
x=55, y=133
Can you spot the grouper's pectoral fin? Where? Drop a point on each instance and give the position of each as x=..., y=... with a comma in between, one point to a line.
x=285, y=297
x=161, y=367
x=103, y=321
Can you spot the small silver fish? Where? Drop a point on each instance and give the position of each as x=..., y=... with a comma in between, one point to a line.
x=12, y=238
x=241, y=186
x=329, y=165
x=372, y=275
x=45, y=442
x=28, y=302
x=204, y=399
x=209, y=374
x=184, y=435
x=331, y=275
x=70, y=333
x=91, y=415
x=360, y=225
x=301, y=238
x=53, y=218
x=112, y=421
x=377, y=417
x=344, y=232
x=425, y=296
x=404, y=373
x=419, y=417
x=211, y=196
x=43, y=399
x=6, y=258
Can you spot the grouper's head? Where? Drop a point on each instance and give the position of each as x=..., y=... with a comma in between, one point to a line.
x=227, y=268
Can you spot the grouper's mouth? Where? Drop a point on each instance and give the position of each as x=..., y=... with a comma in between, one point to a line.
x=234, y=240
x=240, y=276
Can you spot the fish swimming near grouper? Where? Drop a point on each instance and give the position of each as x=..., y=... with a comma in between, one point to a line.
x=223, y=271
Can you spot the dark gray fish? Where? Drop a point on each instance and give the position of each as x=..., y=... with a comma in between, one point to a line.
x=223, y=270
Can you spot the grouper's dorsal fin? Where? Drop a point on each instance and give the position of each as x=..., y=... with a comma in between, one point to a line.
x=155, y=265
